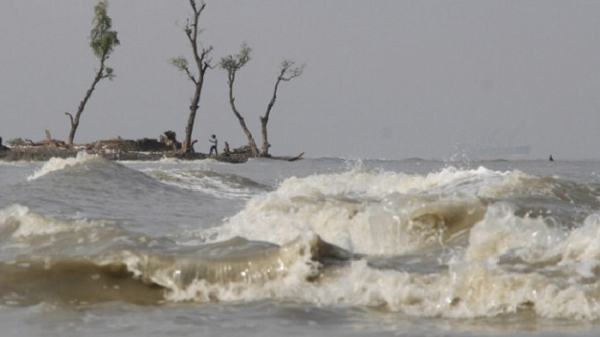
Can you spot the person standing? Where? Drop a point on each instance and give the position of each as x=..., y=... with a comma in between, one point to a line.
x=215, y=142
x=2, y=147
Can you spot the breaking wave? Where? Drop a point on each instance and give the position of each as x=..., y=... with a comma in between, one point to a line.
x=452, y=243
x=57, y=164
x=213, y=183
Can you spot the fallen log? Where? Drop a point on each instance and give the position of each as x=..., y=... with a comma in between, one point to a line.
x=288, y=158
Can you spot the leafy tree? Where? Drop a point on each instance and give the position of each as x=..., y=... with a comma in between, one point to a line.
x=287, y=73
x=103, y=40
x=232, y=64
x=202, y=62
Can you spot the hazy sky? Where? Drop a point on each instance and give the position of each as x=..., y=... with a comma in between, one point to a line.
x=383, y=78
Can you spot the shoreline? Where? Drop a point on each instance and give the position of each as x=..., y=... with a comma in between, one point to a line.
x=144, y=149
x=45, y=153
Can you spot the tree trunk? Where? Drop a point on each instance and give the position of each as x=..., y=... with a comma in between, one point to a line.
x=265, y=145
x=192, y=32
x=287, y=73
x=265, y=119
x=88, y=94
x=190, y=124
x=251, y=142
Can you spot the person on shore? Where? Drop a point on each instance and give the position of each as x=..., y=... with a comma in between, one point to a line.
x=2, y=147
x=215, y=142
x=226, y=149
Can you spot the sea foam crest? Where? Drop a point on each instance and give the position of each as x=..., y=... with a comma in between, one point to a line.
x=470, y=292
x=207, y=181
x=536, y=240
x=285, y=288
x=205, y=277
x=501, y=231
x=476, y=284
x=519, y=263
x=467, y=290
x=366, y=212
x=25, y=223
x=57, y=164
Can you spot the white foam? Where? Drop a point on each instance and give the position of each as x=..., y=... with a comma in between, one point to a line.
x=204, y=180
x=583, y=243
x=574, y=251
x=57, y=164
x=23, y=223
x=26, y=223
x=515, y=182
x=559, y=280
x=19, y=163
x=510, y=263
x=292, y=276
x=502, y=231
x=366, y=212
x=469, y=290
x=569, y=258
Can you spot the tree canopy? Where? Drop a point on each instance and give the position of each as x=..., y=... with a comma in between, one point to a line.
x=232, y=64
x=103, y=40
x=202, y=62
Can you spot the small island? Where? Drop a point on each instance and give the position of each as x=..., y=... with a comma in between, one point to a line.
x=145, y=149
x=103, y=41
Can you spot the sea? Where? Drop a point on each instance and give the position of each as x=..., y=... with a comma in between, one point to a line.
x=315, y=247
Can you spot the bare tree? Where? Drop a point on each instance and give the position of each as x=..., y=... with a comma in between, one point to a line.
x=103, y=41
x=232, y=64
x=287, y=73
x=202, y=62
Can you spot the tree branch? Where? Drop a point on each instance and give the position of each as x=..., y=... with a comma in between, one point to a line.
x=70, y=116
x=205, y=52
x=286, y=69
x=190, y=75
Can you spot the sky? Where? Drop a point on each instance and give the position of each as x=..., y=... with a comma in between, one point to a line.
x=383, y=79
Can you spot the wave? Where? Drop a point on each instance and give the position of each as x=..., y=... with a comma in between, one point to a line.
x=479, y=282
x=57, y=164
x=368, y=212
x=452, y=243
x=236, y=265
x=30, y=281
x=391, y=213
x=221, y=185
x=92, y=170
x=146, y=276
x=24, y=232
x=507, y=264
x=89, y=170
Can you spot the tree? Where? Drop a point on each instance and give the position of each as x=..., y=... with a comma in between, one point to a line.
x=232, y=64
x=103, y=40
x=202, y=63
x=287, y=73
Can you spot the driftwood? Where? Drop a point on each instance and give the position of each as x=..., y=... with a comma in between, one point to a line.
x=49, y=142
x=54, y=142
x=298, y=157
